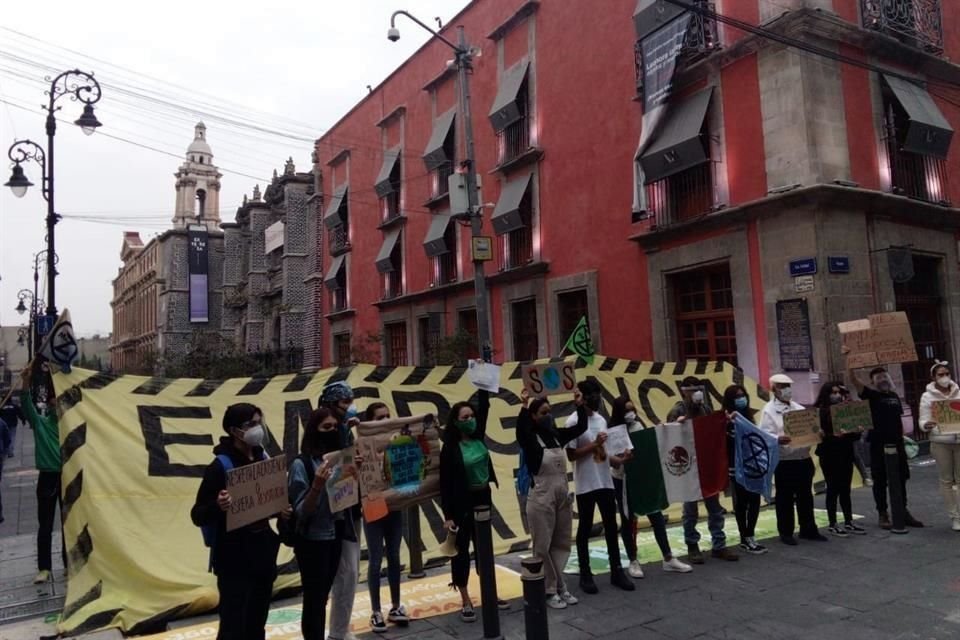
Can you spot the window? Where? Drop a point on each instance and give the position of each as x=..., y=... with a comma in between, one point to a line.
x=704, y=313
x=514, y=140
x=342, y=356
x=396, y=342
x=915, y=175
x=526, y=344
x=430, y=330
x=445, y=265
x=571, y=307
x=391, y=267
x=684, y=195
x=467, y=322
x=917, y=23
x=390, y=204
x=339, y=295
x=441, y=177
x=518, y=244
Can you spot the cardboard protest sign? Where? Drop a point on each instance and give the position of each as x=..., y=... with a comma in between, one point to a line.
x=882, y=338
x=343, y=489
x=549, y=379
x=946, y=413
x=401, y=462
x=850, y=417
x=257, y=491
x=803, y=427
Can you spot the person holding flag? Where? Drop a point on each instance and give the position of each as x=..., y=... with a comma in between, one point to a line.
x=746, y=503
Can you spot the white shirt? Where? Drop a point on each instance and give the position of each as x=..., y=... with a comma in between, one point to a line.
x=588, y=474
x=771, y=421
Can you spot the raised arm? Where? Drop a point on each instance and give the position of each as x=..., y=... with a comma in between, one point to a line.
x=483, y=411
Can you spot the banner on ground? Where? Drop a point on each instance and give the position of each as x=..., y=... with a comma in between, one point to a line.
x=756, y=457
x=134, y=450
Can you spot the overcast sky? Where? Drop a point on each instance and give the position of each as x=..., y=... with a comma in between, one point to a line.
x=286, y=71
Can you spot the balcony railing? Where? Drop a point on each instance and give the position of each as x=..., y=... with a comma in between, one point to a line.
x=392, y=285
x=918, y=23
x=339, y=239
x=513, y=141
x=701, y=40
x=916, y=176
x=682, y=196
x=519, y=248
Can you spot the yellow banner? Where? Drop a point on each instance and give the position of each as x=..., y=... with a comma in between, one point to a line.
x=134, y=450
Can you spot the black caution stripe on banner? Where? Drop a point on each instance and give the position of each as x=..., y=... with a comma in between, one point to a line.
x=98, y=381
x=657, y=368
x=158, y=623
x=74, y=440
x=454, y=375
x=300, y=382
x=379, y=375
x=255, y=386
x=90, y=596
x=205, y=389
x=339, y=375
x=518, y=372
x=74, y=395
x=71, y=493
x=608, y=364
x=80, y=552
x=153, y=386
x=632, y=367
x=701, y=368
x=680, y=368
x=417, y=376
x=94, y=622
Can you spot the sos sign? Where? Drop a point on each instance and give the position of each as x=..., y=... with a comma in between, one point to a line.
x=549, y=379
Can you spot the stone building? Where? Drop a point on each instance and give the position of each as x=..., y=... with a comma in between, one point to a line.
x=161, y=301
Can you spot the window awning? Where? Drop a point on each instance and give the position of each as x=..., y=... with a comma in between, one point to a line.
x=390, y=239
x=505, y=110
x=384, y=184
x=332, y=217
x=336, y=267
x=677, y=145
x=928, y=133
x=434, y=155
x=650, y=15
x=506, y=216
x=435, y=243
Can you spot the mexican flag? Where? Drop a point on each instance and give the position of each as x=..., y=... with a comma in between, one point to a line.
x=677, y=462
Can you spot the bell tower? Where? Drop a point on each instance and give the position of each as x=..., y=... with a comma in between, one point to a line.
x=198, y=185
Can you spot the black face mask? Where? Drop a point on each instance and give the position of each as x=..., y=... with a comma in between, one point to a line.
x=327, y=441
x=593, y=402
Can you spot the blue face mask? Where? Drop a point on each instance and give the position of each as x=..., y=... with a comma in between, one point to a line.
x=741, y=403
x=352, y=411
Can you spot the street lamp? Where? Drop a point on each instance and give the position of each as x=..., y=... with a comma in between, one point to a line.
x=26, y=294
x=464, y=64
x=79, y=85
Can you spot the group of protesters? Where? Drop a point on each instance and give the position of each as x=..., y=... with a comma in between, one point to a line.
x=326, y=544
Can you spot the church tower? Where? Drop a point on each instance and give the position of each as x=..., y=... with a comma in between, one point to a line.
x=198, y=185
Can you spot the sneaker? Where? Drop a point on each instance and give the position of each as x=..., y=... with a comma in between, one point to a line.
x=675, y=566
x=955, y=524
x=503, y=605
x=725, y=554
x=588, y=586
x=467, y=614
x=910, y=521
x=569, y=598
x=788, y=540
x=618, y=578
x=751, y=546
x=377, y=623
x=42, y=577
x=556, y=602
x=694, y=554
x=399, y=615
x=855, y=529
x=837, y=530
x=635, y=570
x=883, y=521
x=868, y=482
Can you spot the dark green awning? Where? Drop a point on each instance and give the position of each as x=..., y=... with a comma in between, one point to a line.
x=435, y=243
x=338, y=265
x=390, y=239
x=506, y=216
x=333, y=218
x=434, y=155
x=505, y=110
x=384, y=184
x=928, y=133
x=677, y=146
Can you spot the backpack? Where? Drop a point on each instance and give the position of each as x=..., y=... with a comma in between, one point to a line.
x=524, y=478
x=209, y=531
x=289, y=529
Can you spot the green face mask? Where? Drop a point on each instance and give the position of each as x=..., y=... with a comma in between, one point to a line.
x=467, y=427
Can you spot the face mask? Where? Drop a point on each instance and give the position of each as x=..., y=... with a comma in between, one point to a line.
x=943, y=382
x=328, y=440
x=467, y=427
x=885, y=384
x=835, y=398
x=545, y=424
x=254, y=436
x=593, y=402
x=741, y=403
x=697, y=397
x=631, y=417
x=352, y=411
x=786, y=395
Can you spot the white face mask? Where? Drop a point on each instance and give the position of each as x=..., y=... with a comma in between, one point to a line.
x=786, y=394
x=631, y=417
x=254, y=436
x=943, y=382
x=697, y=397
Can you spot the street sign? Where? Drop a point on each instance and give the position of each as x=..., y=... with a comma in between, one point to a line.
x=803, y=267
x=803, y=284
x=838, y=264
x=45, y=324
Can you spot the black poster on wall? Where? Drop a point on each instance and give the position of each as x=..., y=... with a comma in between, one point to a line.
x=660, y=51
x=199, y=268
x=793, y=334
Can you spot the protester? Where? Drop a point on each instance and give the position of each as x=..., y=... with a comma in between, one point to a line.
x=887, y=429
x=245, y=559
x=466, y=472
x=387, y=530
x=42, y=417
x=549, y=511
x=625, y=413
x=11, y=414
x=794, y=473
x=337, y=398
x=945, y=447
x=746, y=504
x=837, y=460
x=5, y=445
x=594, y=488
x=695, y=404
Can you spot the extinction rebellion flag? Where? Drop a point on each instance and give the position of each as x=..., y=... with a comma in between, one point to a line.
x=580, y=342
x=757, y=456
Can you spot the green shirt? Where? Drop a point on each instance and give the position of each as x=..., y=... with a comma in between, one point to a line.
x=46, y=434
x=476, y=460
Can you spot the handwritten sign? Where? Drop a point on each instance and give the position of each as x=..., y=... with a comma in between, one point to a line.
x=257, y=491
x=343, y=489
x=850, y=417
x=484, y=375
x=549, y=379
x=618, y=440
x=882, y=338
x=946, y=413
x=803, y=427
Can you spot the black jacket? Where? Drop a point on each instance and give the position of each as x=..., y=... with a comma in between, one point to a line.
x=454, y=486
x=559, y=437
x=249, y=550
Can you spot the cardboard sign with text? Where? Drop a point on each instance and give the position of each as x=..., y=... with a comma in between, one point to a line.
x=343, y=489
x=946, y=413
x=257, y=491
x=850, y=417
x=882, y=338
x=803, y=427
x=549, y=379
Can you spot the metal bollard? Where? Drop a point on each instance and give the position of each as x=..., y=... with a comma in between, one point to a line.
x=488, y=573
x=534, y=599
x=898, y=507
x=414, y=542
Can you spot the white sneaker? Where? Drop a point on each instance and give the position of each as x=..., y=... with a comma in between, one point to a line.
x=569, y=598
x=956, y=524
x=635, y=570
x=556, y=602
x=675, y=566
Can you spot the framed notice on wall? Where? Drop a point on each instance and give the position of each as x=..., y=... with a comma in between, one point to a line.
x=793, y=334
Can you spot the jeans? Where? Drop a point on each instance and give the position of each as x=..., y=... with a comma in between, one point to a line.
x=13, y=439
x=387, y=530
x=318, y=561
x=836, y=461
x=746, y=507
x=878, y=468
x=606, y=500
x=948, y=469
x=345, y=585
x=794, y=481
x=691, y=514
x=48, y=498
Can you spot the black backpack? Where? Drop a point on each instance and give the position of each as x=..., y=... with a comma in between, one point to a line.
x=290, y=529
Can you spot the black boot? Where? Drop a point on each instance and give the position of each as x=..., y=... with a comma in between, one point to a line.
x=587, y=585
x=619, y=578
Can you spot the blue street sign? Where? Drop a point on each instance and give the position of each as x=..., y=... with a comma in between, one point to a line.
x=838, y=264
x=45, y=324
x=804, y=267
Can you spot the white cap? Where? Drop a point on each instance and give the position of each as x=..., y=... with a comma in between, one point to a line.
x=780, y=378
